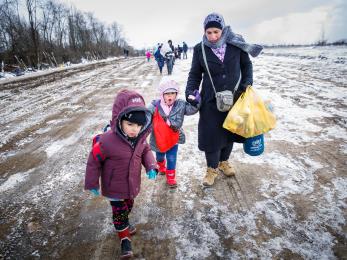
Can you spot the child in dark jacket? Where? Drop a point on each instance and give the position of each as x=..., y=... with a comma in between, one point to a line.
x=116, y=159
x=172, y=110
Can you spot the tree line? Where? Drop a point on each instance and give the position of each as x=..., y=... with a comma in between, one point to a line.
x=39, y=33
x=318, y=43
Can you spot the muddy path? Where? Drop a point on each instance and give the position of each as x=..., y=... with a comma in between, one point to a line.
x=46, y=133
x=289, y=203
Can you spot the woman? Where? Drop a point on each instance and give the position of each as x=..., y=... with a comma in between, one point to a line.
x=227, y=57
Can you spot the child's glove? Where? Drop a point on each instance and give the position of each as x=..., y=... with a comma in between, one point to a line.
x=152, y=174
x=95, y=192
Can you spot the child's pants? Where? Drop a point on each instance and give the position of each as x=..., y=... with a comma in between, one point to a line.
x=171, y=157
x=120, y=211
x=214, y=158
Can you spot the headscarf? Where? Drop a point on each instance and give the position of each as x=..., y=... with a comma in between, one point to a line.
x=228, y=36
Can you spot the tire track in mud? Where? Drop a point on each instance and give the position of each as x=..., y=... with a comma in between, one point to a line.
x=60, y=105
x=31, y=131
x=38, y=79
x=238, y=196
x=67, y=89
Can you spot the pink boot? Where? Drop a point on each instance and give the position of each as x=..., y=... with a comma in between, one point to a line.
x=171, y=178
x=162, y=167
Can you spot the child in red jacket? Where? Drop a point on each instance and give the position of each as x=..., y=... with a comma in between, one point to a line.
x=116, y=159
x=171, y=110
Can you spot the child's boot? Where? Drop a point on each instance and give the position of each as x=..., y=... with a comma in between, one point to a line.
x=171, y=178
x=125, y=244
x=210, y=176
x=162, y=167
x=227, y=168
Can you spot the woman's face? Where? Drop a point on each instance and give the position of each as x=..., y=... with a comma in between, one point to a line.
x=213, y=34
x=170, y=98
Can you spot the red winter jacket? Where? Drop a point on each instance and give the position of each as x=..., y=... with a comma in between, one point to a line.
x=120, y=172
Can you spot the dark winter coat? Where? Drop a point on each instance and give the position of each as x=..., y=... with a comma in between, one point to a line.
x=120, y=172
x=185, y=47
x=159, y=58
x=211, y=134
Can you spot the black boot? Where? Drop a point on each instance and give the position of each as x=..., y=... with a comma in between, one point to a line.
x=126, y=249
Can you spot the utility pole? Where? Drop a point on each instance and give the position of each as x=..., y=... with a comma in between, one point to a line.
x=323, y=40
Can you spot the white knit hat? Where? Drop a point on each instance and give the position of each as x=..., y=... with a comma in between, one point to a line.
x=168, y=85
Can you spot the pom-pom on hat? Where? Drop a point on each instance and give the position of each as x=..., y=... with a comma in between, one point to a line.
x=214, y=20
x=137, y=117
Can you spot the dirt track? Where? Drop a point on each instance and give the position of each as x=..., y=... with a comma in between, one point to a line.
x=46, y=136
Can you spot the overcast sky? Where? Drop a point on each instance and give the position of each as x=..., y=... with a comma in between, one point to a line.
x=260, y=21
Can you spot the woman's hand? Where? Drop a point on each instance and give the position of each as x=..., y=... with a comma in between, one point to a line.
x=243, y=88
x=194, y=99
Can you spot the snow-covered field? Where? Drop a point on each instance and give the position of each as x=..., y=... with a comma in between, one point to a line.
x=289, y=203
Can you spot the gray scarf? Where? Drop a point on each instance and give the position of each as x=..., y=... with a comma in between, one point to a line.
x=234, y=39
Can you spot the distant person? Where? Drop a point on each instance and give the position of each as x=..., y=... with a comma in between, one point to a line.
x=116, y=158
x=171, y=45
x=159, y=59
x=174, y=51
x=185, y=50
x=179, y=51
x=156, y=48
x=167, y=51
x=148, y=56
x=126, y=53
x=172, y=110
x=231, y=69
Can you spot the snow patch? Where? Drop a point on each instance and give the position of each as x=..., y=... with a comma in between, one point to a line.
x=14, y=180
x=58, y=145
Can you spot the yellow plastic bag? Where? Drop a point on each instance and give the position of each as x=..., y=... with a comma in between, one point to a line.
x=249, y=116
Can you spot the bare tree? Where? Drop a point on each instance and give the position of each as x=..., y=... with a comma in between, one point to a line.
x=35, y=29
x=32, y=16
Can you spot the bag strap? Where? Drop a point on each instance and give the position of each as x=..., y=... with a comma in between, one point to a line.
x=208, y=71
x=209, y=74
x=157, y=104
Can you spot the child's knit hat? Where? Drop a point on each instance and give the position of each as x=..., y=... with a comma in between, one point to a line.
x=214, y=20
x=168, y=85
x=137, y=117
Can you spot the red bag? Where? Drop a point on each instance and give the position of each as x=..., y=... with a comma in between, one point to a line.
x=165, y=137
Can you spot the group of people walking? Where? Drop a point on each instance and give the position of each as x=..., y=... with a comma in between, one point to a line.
x=118, y=155
x=167, y=53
